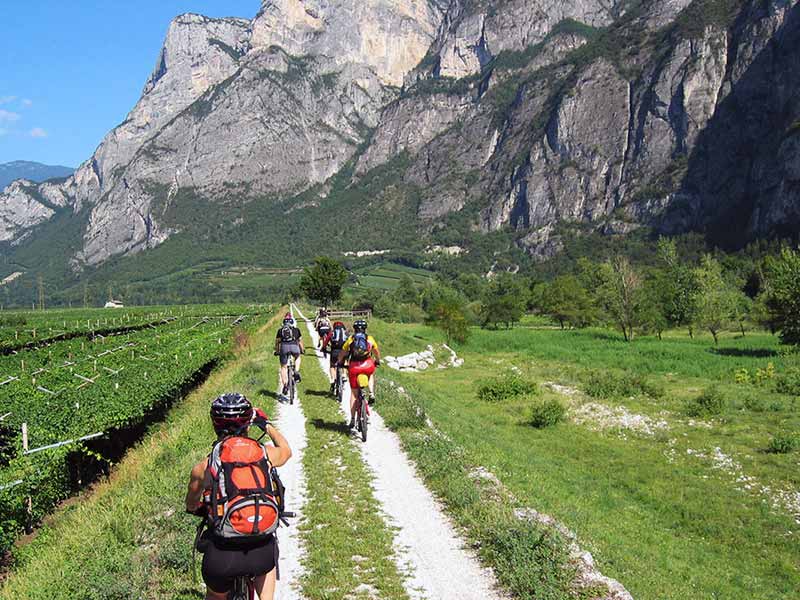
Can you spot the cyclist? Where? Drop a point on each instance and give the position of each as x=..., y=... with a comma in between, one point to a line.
x=288, y=342
x=323, y=326
x=363, y=355
x=231, y=415
x=333, y=342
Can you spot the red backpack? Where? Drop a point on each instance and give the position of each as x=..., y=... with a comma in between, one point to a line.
x=244, y=500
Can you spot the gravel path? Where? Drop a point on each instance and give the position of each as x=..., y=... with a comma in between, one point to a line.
x=292, y=423
x=428, y=549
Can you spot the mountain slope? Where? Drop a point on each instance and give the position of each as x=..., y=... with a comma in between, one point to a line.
x=451, y=118
x=32, y=171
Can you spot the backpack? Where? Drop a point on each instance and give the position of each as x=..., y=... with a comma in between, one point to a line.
x=245, y=499
x=287, y=334
x=360, y=347
x=323, y=327
x=338, y=338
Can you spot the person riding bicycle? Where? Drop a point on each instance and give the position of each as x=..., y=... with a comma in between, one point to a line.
x=231, y=415
x=323, y=326
x=333, y=342
x=363, y=355
x=288, y=342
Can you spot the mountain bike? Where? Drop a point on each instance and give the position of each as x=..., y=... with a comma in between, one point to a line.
x=362, y=406
x=292, y=384
x=339, y=383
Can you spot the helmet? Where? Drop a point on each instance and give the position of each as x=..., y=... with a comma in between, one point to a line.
x=323, y=312
x=360, y=325
x=338, y=325
x=231, y=413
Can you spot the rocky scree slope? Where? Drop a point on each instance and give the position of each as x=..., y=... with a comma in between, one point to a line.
x=513, y=115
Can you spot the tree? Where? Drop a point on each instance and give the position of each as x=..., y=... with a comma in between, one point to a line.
x=782, y=295
x=680, y=287
x=406, y=292
x=622, y=296
x=653, y=309
x=504, y=302
x=447, y=314
x=716, y=298
x=323, y=281
x=564, y=300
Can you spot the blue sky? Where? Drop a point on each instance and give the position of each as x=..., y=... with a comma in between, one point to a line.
x=70, y=70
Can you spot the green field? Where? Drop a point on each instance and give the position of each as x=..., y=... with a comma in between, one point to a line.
x=694, y=508
x=387, y=276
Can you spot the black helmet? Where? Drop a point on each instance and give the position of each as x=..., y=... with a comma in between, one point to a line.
x=231, y=413
x=360, y=326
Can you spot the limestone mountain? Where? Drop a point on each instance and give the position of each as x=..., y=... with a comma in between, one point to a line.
x=436, y=119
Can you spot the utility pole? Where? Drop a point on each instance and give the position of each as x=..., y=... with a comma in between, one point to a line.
x=85, y=295
x=40, y=283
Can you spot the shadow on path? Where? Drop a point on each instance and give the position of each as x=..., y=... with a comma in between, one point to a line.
x=339, y=426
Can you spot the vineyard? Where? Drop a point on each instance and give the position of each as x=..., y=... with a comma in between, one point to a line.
x=77, y=384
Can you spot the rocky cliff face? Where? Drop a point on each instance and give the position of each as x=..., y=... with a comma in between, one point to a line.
x=673, y=114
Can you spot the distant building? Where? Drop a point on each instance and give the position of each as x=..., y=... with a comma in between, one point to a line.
x=114, y=304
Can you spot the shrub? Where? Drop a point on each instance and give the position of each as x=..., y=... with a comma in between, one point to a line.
x=741, y=376
x=546, y=413
x=784, y=442
x=607, y=384
x=788, y=382
x=755, y=403
x=498, y=389
x=710, y=402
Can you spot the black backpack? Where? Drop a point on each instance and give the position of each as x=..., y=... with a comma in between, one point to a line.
x=338, y=338
x=287, y=334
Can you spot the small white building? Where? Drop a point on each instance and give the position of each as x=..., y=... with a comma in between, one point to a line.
x=114, y=304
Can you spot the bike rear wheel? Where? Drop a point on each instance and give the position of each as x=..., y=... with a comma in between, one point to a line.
x=243, y=589
x=292, y=384
x=362, y=414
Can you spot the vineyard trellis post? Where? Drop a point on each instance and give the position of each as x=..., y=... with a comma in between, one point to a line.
x=28, y=500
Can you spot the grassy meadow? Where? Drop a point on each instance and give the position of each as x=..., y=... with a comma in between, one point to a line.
x=679, y=505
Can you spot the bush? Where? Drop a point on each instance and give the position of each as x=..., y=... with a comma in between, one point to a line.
x=607, y=384
x=788, y=382
x=755, y=403
x=498, y=389
x=710, y=402
x=784, y=442
x=547, y=412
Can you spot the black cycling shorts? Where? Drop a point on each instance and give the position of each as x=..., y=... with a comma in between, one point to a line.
x=222, y=565
x=335, y=353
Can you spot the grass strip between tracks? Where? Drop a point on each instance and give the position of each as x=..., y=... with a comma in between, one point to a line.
x=348, y=543
x=129, y=537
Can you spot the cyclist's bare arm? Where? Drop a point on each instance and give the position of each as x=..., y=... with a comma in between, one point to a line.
x=194, y=496
x=280, y=453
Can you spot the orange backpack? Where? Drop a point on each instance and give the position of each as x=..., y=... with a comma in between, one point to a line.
x=244, y=500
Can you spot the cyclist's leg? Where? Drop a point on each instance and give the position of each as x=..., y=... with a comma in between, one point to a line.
x=297, y=359
x=284, y=367
x=265, y=586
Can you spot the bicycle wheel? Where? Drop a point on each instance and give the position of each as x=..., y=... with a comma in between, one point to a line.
x=362, y=415
x=241, y=589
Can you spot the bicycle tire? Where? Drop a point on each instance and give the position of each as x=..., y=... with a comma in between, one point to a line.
x=362, y=411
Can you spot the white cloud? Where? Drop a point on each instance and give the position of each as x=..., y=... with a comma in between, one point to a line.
x=27, y=103
x=37, y=132
x=7, y=99
x=8, y=117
